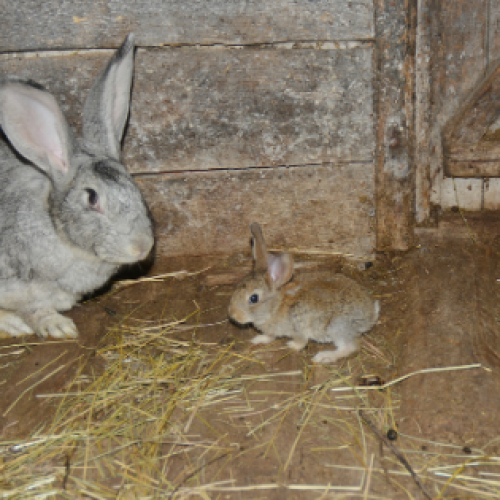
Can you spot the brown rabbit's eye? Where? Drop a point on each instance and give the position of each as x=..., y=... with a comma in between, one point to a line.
x=253, y=299
x=93, y=198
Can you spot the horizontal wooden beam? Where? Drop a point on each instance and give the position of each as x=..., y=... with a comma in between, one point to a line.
x=327, y=208
x=459, y=168
x=203, y=109
x=29, y=25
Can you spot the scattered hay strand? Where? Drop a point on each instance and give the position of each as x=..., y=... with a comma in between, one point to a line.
x=34, y=374
x=31, y=387
x=326, y=253
x=407, y=376
x=159, y=278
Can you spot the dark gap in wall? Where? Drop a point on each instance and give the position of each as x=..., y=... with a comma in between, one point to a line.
x=146, y=175
x=282, y=44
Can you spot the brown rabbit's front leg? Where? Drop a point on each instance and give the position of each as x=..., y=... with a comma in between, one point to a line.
x=298, y=343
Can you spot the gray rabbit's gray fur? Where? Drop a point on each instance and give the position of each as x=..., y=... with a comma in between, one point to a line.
x=70, y=213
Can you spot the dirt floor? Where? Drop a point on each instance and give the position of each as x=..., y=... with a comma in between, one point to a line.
x=244, y=421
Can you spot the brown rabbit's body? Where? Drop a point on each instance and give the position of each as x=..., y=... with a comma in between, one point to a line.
x=333, y=309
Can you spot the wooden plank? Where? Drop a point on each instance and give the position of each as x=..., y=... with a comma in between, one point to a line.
x=493, y=40
x=200, y=109
x=473, y=168
x=58, y=24
x=329, y=208
x=395, y=28
x=487, y=150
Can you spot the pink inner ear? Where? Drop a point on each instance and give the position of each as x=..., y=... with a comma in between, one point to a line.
x=121, y=84
x=35, y=129
x=275, y=268
x=280, y=268
x=44, y=133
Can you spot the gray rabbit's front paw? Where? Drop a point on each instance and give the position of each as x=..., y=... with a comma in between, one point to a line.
x=13, y=325
x=57, y=326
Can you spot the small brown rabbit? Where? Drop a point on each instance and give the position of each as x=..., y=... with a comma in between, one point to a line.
x=333, y=309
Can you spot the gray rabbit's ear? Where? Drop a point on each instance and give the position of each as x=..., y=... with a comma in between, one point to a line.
x=106, y=108
x=35, y=126
x=259, y=248
x=279, y=269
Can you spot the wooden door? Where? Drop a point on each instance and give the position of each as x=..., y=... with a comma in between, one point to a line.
x=457, y=108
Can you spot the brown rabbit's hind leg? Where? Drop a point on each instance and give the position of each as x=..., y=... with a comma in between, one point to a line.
x=344, y=349
x=13, y=324
x=262, y=339
x=297, y=343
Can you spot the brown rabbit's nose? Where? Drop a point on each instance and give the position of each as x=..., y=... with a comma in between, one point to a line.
x=232, y=311
x=237, y=314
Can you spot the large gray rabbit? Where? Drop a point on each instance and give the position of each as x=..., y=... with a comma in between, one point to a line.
x=70, y=213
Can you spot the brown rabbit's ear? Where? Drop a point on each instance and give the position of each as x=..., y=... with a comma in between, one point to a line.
x=279, y=269
x=259, y=248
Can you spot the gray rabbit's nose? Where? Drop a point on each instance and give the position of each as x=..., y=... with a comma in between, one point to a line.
x=141, y=247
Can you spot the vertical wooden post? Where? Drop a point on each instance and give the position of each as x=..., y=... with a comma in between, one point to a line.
x=395, y=28
x=423, y=111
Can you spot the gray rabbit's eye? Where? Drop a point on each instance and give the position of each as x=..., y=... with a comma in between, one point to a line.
x=253, y=299
x=93, y=198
